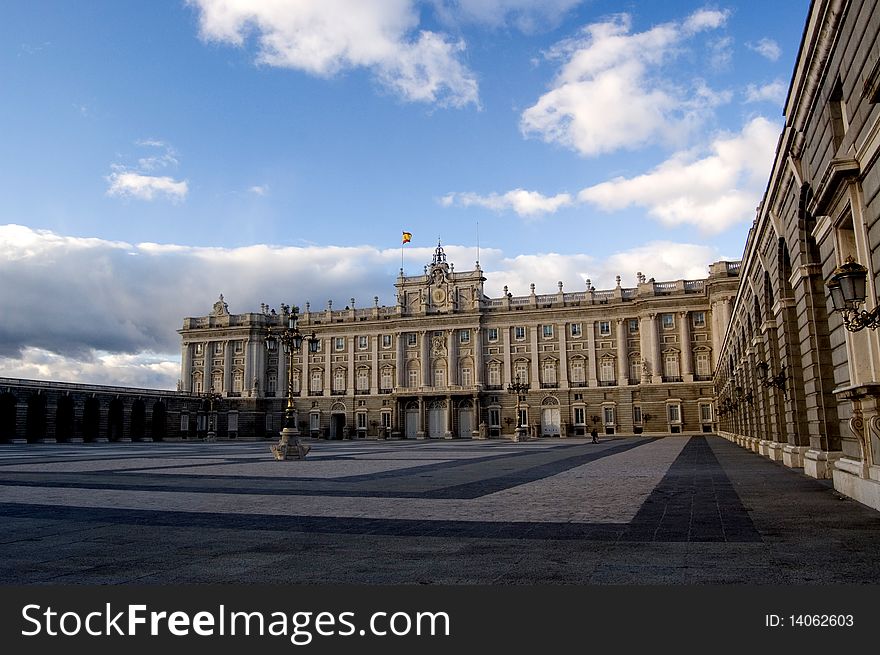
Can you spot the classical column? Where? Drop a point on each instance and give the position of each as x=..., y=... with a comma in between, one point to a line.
x=449, y=419
x=507, y=376
x=563, y=357
x=591, y=352
x=536, y=379
x=281, y=370
x=186, y=367
x=422, y=427
x=478, y=357
x=255, y=372
x=452, y=359
x=374, y=364
x=645, y=348
x=622, y=359
x=227, y=367
x=305, y=382
x=684, y=335
x=426, y=358
x=400, y=364
x=656, y=364
x=328, y=364
x=349, y=385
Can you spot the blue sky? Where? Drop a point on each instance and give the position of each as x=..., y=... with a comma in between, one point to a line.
x=159, y=153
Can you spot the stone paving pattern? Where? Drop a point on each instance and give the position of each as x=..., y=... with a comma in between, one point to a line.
x=674, y=510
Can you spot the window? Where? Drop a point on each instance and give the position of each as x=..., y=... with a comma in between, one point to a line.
x=411, y=339
x=549, y=371
x=363, y=379
x=706, y=413
x=605, y=328
x=523, y=416
x=184, y=422
x=608, y=413
x=464, y=336
x=198, y=349
x=339, y=379
x=386, y=340
x=271, y=383
x=521, y=370
x=493, y=334
x=607, y=370
x=547, y=331
x=314, y=421
x=386, y=419
x=218, y=348
x=361, y=418
x=232, y=425
x=674, y=413
x=197, y=385
x=339, y=343
x=466, y=377
x=577, y=371
x=269, y=423
x=633, y=326
x=668, y=321
x=295, y=381
x=575, y=329
x=363, y=342
x=237, y=378
x=519, y=333
x=637, y=414
x=670, y=365
x=439, y=377
x=272, y=345
x=413, y=378
x=699, y=319
x=387, y=378
x=239, y=346
x=579, y=416
x=217, y=382
x=495, y=417
x=635, y=369
x=704, y=366
x=316, y=383
x=494, y=375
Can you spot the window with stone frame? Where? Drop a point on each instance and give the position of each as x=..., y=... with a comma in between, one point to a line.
x=386, y=340
x=466, y=376
x=363, y=342
x=295, y=382
x=698, y=319
x=363, y=379
x=519, y=333
x=668, y=321
x=548, y=371
x=606, y=370
x=494, y=374
x=387, y=378
x=604, y=328
x=521, y=371
x=635, y=368
x=464, y=336
x=579, y=416
x=670, y=364
x=577, y=371
x=317, y=381
x=703, y=362
x=339, y=343
x=492, y=334
x=411, y=339
x=576, y=329
x=412, y=376
x=547, y=331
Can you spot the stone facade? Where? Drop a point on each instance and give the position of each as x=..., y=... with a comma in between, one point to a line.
x=817, y=406
x=438, y=363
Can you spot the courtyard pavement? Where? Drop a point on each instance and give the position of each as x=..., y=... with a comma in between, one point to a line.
x=636, y=510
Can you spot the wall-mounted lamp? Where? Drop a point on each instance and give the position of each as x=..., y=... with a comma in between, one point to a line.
x=767, y=380
x=847, y=287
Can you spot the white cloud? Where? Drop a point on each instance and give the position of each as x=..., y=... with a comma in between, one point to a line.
x=721, y=53
x=525, y=203
x=145, y=187
x=767, y=48
x=115, y=321
x=259, y=189
x=773, y=92
x=526, y=15
x=712, y=192
x=324, y=38
x=608, y=95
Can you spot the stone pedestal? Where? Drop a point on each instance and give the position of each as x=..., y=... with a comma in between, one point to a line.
x=793, y=456
x=764, y=447
x=774, y=451
x=852, y=478
x=819, y=464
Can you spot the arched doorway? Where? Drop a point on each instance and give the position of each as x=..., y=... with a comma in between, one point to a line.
x=64, y=418
x=436, y=419
x=337, y=421
x=550, y=417
x=158, y=423
x=411, y=420
x=115, y=420
x=7, y=417
x=465, y=419
x=35, y=425
x=91, y=419
x=138, y=419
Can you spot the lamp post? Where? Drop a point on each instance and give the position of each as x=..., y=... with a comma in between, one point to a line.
x=519, y=388
x=288, y=340
x=212, y=397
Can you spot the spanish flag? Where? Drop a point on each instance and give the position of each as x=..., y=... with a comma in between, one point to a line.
x=407, y=237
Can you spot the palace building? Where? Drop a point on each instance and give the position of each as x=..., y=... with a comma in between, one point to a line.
x=438, y=363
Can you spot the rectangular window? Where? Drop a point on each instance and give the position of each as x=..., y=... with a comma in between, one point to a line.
x=363, y=379
x=466, y=377
x=579, y=415
x=493, y=334
x=577, y=371
x=519, y=333
x=706, y=413
x=699, y=319
x=411, y=339
x=218, y=348
x=269, y=422
x=314, y=421
x=232, y=425
x=316, y=381
x=387, y=381
x=633, y=326
x=674, y=412
x=668, y=321
x=239, y=346
x=413, y=378
x=608, y=413
x=548, y=331
x=523, y=416
x=386, y=419
x=386, y=340
x=494, y=376
x=575, y=329
x=198, y=349
x=495, y=417
x=361, y=420
x=464, y=336
x=607, y=370
x=339, y=343
x=184, y=422
x=703, y=364
x=637, y=414
x=363, y=342
x=439, y=377
x=604, y=328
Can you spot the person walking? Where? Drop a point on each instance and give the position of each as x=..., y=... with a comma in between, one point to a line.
x=595, y=434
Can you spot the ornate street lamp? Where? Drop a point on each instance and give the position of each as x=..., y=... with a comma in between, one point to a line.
x=519, y=388
x=212, y=397
x=288, y=340
x=847, y=286
x=767, y=380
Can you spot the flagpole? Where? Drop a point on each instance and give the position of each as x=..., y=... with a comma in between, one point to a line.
x=478, y=243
